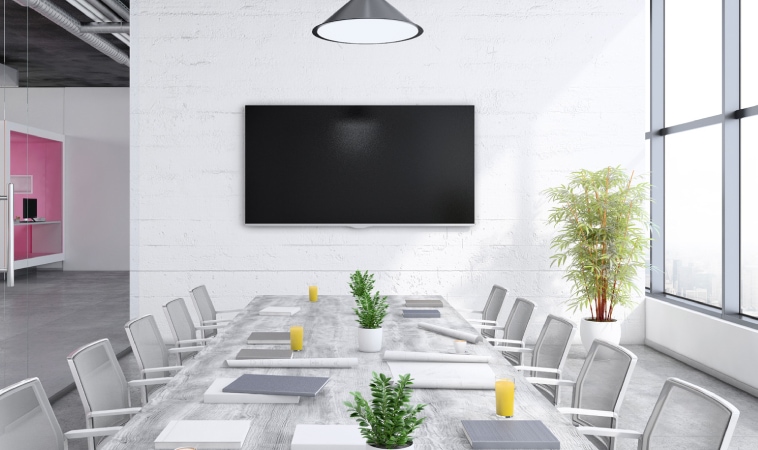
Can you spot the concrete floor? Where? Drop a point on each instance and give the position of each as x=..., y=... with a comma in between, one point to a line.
x=652, y=370
x=48, y=314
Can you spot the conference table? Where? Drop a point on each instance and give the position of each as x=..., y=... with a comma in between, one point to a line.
x=330, y=332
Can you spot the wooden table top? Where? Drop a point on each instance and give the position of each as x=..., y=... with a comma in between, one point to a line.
x=331, y=331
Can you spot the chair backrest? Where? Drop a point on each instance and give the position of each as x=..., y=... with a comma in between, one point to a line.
x=27, y=421
x=100, y=382
x=551, y=350
x=682, y=405
x=515, y=326
x=493, y=306
x=601, y=385
x=147, y=345
x=204, y=307
x=179, y=320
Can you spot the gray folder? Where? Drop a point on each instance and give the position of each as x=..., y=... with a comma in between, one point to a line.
x=277, y=385
x=421, y=313
x=509, y=433
x=269, y=337
x=264, y=353
x=428, y=303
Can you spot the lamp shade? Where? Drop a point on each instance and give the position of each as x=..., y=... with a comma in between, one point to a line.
x=367, y=22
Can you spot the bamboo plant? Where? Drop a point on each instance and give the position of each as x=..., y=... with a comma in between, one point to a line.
x=602, y=239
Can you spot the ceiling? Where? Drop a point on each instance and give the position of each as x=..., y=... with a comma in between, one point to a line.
x=54, y=57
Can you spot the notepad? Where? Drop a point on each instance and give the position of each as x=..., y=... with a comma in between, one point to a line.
x=510, y=434
x=203, y=434
x=279, y=311
x=328, y=437
x=421, y=313
x=269, y=337
x=215, y=394
x=264, y=353
x=277, y=385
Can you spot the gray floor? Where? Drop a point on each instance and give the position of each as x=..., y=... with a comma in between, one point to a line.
x=50, y=313
x=652, y=370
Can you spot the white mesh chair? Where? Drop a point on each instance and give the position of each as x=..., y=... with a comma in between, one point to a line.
x=490, y=311
x=599, y=389
x=182, y=327
x=514, y=328
x=27, y=421
x=102, y=387
x=151, y=352
x=709, y=420
x=206, y=311
x=549, y=353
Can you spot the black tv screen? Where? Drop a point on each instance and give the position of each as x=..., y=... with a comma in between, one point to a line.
x=359, y=165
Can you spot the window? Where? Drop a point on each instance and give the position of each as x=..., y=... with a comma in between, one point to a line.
x=703, y=149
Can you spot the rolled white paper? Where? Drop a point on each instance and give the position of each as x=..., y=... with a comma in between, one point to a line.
x=396, y=355
x=294, y=363
x=443, y=383
x=470, y=337
x=444, y=375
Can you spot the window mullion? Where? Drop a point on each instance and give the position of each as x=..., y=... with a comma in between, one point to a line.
x=657, y=172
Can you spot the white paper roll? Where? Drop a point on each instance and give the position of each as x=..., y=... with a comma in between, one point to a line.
x=294, y=363
x=443, y=375
x=470, y=337
x=396, y=355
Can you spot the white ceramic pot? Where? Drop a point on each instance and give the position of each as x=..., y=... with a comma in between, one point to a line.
x=369, y=340
x=607, y=331
x=371, y=447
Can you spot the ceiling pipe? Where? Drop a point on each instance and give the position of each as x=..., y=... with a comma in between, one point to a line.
x=119, y=8
x=73, y=26
x=98, y=12
x=104, y=28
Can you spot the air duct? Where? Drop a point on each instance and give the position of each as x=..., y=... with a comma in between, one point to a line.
x=73, y=26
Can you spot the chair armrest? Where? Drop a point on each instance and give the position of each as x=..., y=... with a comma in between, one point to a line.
x=538, y=369
x=550, y=381
x=504, y=341
x=92, y=432
x=216, y=321
x=512, y=349
x=587, y=412
x=209, y=327
x=194, y=341
x=149, y=382
x=229, y=311
x=186, y=349
x=609, y=432
x=114, y=412
x=163, y=369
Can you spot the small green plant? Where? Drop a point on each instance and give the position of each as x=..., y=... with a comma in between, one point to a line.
x=361, y=283
x=371, y=310
x=390, y=419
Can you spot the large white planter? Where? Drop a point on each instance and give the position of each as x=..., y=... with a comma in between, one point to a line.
x=607, y=331
x=369, y=340
x=371, y=447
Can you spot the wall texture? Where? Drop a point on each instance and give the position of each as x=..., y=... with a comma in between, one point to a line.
x=557, y=86
x=95, y=122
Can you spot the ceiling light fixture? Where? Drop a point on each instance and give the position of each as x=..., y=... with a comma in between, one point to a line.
x=367, y=22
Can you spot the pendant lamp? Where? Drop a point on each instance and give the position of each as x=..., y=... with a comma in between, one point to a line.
x=367, y=22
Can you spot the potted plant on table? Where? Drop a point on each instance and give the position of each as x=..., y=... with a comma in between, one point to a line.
x=361, y=283
x=389, y=420
x=602, y=241
x=371, y=311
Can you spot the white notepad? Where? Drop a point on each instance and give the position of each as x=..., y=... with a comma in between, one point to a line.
x=328, y=437
x=279, y=311
x=203, y=434
x=215, y=394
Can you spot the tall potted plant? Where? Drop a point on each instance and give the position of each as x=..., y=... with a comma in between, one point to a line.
x=370, y=311
x=361, y=283
x=602, y=240
x=389, y=420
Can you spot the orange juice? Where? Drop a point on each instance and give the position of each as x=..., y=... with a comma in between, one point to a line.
x=505, y=389
x=296, y=338
x=313, y=293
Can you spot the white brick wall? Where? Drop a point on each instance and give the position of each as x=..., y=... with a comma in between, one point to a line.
x=557, y=85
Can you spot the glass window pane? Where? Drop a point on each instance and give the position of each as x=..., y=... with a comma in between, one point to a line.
x=693, y=60
x=647, y=69
x=647, y=174
x=749, y=50
x=693, y=215
x=749, y=216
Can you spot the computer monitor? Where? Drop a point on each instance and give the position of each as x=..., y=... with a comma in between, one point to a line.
x=30, y=208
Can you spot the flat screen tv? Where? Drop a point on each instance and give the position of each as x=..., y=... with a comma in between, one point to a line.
x=359, y=165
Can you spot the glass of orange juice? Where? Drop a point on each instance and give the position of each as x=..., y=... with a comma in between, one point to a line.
x=505, y=390
x=296, y=338
x=313, y=293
